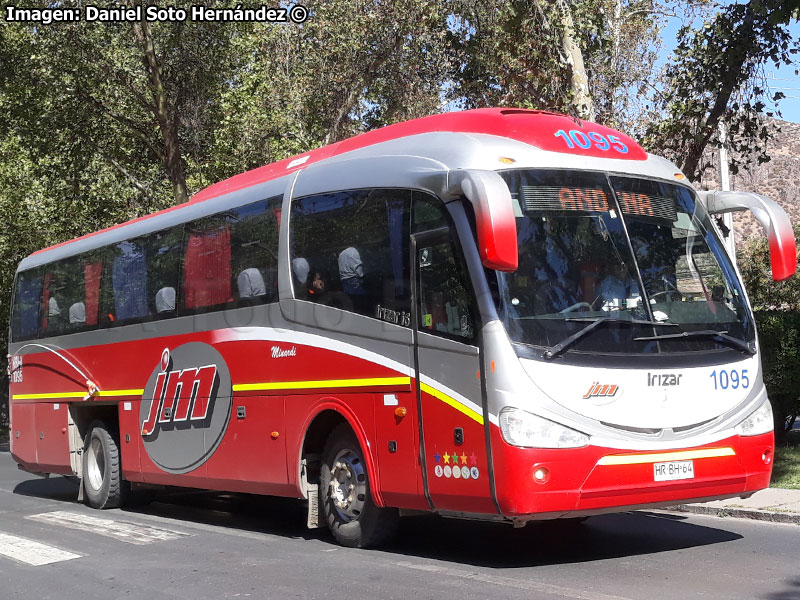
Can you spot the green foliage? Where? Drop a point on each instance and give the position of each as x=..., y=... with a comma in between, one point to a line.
x=511, y=53
x=777, y=310
x=764, y=293
x=716, y=76
x=786, y=470
x=779, y=340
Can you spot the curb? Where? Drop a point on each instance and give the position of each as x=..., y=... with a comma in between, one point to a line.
x=739, y=513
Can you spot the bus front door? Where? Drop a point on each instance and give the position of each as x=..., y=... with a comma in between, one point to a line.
x=448, y=378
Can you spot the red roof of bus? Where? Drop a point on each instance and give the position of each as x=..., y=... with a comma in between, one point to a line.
x=537, y=128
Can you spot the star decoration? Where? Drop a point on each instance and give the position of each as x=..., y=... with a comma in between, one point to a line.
x=473, y=459
x=446, y=458
x=463, y=458
x=437, y=457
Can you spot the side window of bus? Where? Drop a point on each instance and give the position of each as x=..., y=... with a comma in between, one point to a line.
x=254, y=252
x=127, y=272
x=231, y=258
x=349, y=250
x=207, y=264
x=71, y=294
x=27, y=302
x=445, y=299
x=163, y=254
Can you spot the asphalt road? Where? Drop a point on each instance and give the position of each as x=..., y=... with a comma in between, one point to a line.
x=197, y=546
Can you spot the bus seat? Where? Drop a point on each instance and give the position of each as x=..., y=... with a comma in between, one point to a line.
x=165, y=300
x=52, y=307
x=77, y=313
x=251, y=284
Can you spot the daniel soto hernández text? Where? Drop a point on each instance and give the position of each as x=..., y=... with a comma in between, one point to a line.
x=89, y=13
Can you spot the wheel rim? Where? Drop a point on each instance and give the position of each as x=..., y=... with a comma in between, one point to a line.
x=95, y=464
x=348, y=486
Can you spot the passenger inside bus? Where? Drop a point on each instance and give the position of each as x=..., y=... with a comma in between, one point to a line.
x=54, y=321
x=616, y=287
x=351, y=272
x=316, y=286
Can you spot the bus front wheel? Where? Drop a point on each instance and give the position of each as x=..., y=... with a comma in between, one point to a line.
x=102, y=469
x=345, y=497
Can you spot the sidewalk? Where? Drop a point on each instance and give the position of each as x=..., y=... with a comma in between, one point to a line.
x=773, y=504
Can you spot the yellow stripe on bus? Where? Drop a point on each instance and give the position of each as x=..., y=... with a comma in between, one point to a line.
x=52, y=395
x=288, y=385
x=452, y=402
x=321, y=383
x=48, y=396
x=120, y=392
x=637, y=459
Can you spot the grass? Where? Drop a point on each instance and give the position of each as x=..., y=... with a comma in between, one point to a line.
x=786, y=472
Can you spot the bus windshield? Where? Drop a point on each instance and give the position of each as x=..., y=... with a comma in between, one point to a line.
x=599, y=246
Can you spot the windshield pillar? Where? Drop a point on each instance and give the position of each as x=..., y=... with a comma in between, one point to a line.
x=642, y=287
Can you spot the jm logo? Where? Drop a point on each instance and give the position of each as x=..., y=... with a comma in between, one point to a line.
x=597, y=390
x=183, y=395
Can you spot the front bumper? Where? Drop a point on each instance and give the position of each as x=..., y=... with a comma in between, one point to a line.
x=594, y=479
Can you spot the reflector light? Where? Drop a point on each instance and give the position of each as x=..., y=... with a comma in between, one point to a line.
x=541, y=475
x=506, y=160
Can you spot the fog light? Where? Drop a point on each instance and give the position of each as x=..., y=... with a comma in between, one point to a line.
x=767, y=456
x=541, y=475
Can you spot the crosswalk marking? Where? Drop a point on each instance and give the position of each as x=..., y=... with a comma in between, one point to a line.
x=32, y=553
x=130, y=533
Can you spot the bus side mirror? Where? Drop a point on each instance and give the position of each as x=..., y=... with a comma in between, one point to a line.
x=782, y=246
x=494, y=215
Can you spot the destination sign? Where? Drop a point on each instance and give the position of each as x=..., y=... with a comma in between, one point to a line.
x=593, y=199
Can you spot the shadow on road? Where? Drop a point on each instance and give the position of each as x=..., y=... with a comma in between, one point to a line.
x=792, y=591
x=284, y=517
x=50, y=488
x=554, y=542
x=490, y=545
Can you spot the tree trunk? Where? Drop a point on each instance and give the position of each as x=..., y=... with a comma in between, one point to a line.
x=167, y=123
x=579, y=80
x=743, y=45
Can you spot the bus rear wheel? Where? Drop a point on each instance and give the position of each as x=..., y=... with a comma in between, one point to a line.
x=102, y=469
x=345, y=497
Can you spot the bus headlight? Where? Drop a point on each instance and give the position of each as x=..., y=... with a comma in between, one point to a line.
x=522, y=428
x=760, y=421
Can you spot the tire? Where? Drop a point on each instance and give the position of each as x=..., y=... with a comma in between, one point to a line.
x=102, y=469
x=345, y=496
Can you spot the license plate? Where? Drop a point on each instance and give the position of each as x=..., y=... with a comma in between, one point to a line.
x=670, y=471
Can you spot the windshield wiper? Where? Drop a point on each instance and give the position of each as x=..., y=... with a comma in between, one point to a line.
x=554, y=351
x=722, y=336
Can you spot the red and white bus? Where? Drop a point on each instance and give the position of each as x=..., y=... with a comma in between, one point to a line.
x=495, y=314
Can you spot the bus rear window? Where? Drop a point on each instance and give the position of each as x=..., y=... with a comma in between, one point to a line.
x=27, y=301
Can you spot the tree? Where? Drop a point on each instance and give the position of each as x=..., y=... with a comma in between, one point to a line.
x=716, y=75
x=130, y=94
x=304, y=86
x=522, y=53
x=594, y=59
x=777, y=312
